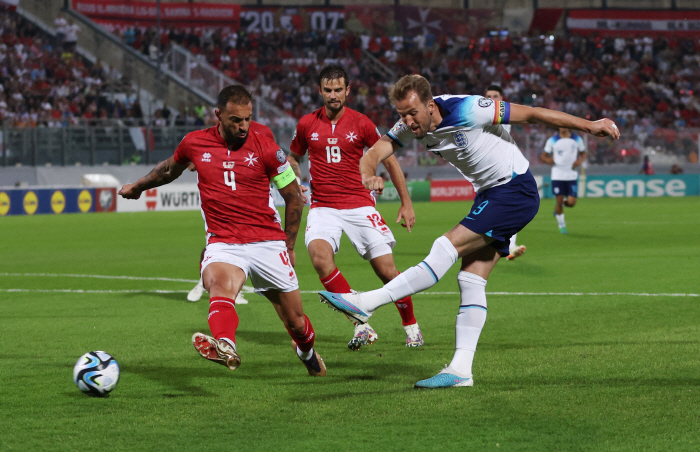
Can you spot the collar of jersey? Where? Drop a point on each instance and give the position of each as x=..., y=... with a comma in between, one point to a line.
x=447, y=121
x=324, y=118
x=218, y=136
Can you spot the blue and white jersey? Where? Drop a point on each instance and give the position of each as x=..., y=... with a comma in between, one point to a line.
x=565, y=152
x=472, y=139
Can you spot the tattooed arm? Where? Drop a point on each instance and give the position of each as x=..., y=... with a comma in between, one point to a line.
x=163, y=173
x=292, y=216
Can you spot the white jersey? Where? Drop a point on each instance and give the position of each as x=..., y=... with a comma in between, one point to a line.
x=565, y=152
x=472, y=139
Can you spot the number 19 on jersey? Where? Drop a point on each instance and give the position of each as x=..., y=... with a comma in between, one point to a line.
x=333, y=154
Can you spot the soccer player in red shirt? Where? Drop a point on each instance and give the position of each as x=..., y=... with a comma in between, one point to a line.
x=198, y=290
x=244, y=235
x=335, y=137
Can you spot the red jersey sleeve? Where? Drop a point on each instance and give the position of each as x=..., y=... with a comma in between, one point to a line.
x=182, y=153
x=273, y=157
x=299, y=145
x=370, y=132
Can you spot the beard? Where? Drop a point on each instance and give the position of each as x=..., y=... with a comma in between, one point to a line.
x=234, y=140
x=335, y=108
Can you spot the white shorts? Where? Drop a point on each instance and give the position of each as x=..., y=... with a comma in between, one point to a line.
x=266, y=263
x=364, y=226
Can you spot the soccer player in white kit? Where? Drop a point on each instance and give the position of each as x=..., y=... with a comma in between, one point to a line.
x=466, y=131
x=566, y=151
x=495, y=92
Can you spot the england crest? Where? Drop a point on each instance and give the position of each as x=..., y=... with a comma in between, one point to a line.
x=460, y=139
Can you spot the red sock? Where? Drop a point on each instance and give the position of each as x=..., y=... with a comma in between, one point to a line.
x=304, y=341
x=223, y=318
x=405, y=307
x=336, y=282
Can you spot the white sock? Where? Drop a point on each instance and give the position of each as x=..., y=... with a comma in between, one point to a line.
x=229, y=342
x=424, y=275
x=512, y=242
x=305, y=355
x=470, y=321
x=560, y=220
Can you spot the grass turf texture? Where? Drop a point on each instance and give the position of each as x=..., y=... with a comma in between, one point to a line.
x=553, y=372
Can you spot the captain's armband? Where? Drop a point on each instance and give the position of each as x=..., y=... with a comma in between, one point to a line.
x=285, y=178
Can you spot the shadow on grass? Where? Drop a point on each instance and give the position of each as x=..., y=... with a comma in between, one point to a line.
x=178, y=379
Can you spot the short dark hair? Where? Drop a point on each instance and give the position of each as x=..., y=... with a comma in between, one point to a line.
x=409, y=83
x=333, y=72
x=236, y=94
x=494, y=88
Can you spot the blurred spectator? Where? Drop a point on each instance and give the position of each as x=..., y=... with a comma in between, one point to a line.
x=647, y=167
x=71, y=38
x=60, y=25
x=676, y=169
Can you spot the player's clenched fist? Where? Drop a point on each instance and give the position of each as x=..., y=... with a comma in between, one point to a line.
x=129, y=192
x=605, y=127
x=375, y=183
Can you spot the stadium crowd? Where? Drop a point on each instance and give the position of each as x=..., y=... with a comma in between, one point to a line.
x=647, y=85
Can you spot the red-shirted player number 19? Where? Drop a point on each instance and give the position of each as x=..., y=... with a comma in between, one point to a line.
x=230, y=181
x=333, y=154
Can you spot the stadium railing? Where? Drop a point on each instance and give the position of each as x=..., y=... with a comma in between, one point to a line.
x=116, y=143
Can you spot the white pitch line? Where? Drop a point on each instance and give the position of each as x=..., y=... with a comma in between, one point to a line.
x=133, y=278
x=527, y=294
x=248, y=290
x=89, y=291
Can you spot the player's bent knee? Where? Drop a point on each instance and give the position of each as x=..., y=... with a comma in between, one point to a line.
x=442, y=256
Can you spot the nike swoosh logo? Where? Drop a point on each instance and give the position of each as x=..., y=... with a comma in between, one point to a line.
x=468, y=218
x=430, y=147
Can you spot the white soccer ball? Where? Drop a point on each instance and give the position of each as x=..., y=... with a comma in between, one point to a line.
x=96, y=373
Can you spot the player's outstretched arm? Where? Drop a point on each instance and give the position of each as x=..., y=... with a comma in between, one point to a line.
x=406, y=210
x=369, y=162
x=294, y=208
x=163, y=173
x=520, y=114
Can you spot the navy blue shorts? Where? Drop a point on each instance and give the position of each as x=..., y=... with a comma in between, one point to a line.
x=565, y=188
x=504, y=210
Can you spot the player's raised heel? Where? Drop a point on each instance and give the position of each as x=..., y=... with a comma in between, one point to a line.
x=414, y=338
x=563, y=230
x=314, y=365
x=445, y=379
x=347, y=303
x=517, y=251
x=214, y=350
x=364, y=335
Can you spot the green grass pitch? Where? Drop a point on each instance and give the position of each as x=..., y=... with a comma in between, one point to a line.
x=573, y=355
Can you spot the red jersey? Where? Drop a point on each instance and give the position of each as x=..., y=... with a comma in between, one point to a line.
x=234, y=186
x=334, y=157
x=261, y=128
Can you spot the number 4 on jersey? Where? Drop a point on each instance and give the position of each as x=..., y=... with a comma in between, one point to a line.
x=230, y=179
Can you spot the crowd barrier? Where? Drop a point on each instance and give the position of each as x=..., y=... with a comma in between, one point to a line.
x=57, y=201
x=186, y=196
